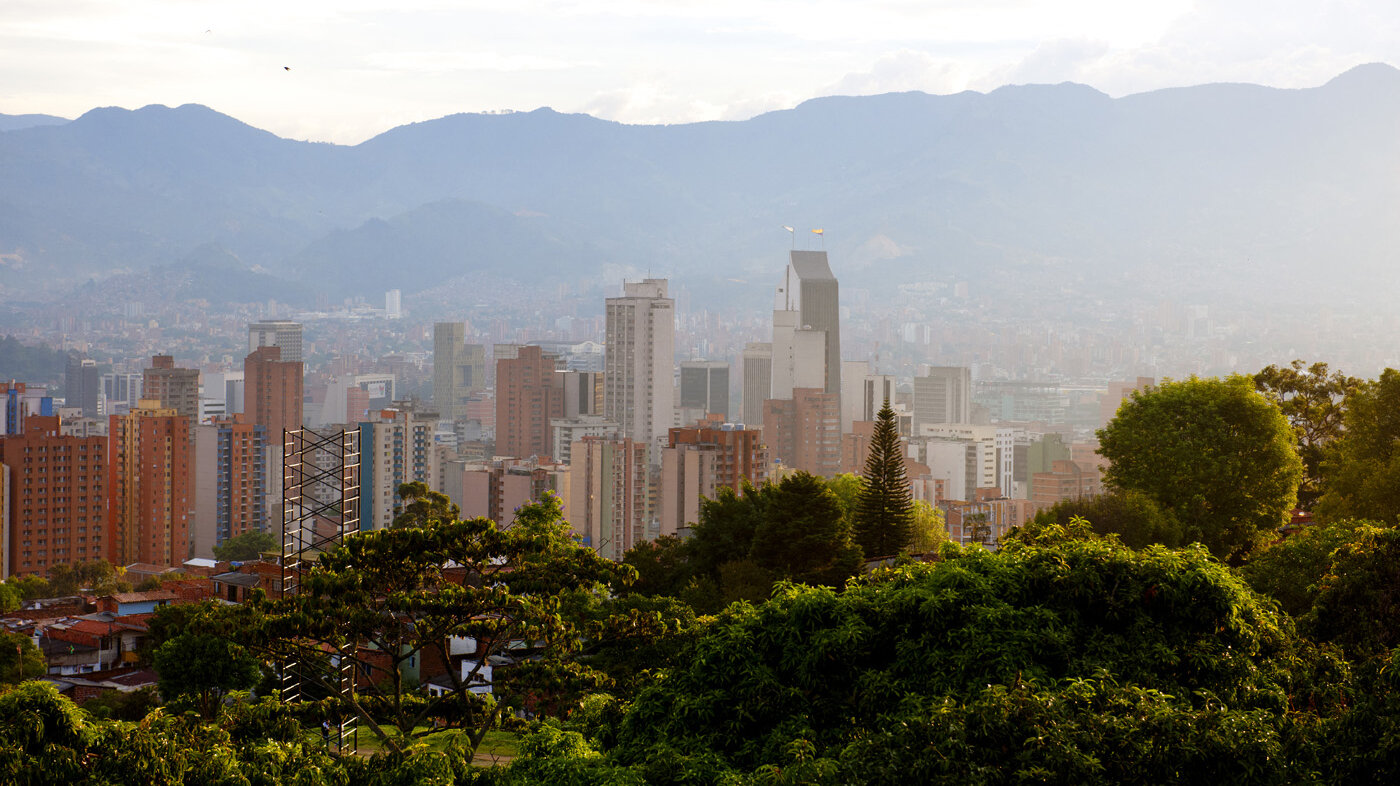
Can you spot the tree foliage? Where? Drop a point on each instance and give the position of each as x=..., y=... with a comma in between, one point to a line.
x=1357, y=603
x=1362, y=467
x=1312, y=399
x=803, y=535
x=20, y=659
x=423, y=507
x=883, y=524
x=1077, y=657
x=204, y=668
x=1213, y=452
x=1131, y=515
x=1291, y=571
x=387, y=598
x=249, y=546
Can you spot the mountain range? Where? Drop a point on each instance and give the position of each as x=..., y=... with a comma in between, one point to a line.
x=1223, y=191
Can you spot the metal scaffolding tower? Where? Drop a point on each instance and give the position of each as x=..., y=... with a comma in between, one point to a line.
x=320, y=507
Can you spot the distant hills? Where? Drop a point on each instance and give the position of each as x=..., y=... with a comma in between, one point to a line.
x=1225, y=191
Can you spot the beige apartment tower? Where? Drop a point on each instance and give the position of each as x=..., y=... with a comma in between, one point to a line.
x=638, y=356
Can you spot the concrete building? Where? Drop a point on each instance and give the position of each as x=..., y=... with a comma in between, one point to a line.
x=277, y=333
x=988, y=456
x=529, y=394
x=984, y=519
x=758, y=381
x=610, y=502
x=1064, y=480
x=273, y=399
x=583, y=392
x=567, y=431
x=393, y=304
x=804, y=432
x=82, y=386
x=231, y=494
x=121, y=392
x=54, y=505
x=396, y=447
x=459, y=369
x=351, y=397
x=699, y=461
x=704, y=388
x=21, y=401
x=638, y=358
x=497, y=489
x=810, y=289
x=174, y=388
x=943, y=395
x=149, y=482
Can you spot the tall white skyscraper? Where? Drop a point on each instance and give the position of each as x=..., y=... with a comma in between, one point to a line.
x=807, y=327
x=638, y=357
x=278, y=333
x=393, y=304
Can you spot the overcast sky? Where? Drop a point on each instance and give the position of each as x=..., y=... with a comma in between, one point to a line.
x=359, y=67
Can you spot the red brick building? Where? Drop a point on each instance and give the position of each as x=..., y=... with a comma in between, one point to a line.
x=528, y=394
x=149, y=460
x=57, y=501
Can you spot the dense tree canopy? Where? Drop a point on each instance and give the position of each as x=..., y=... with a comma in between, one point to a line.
x=1291, y=571
x=1362, y=467
x=804, y=536
x=940, y=673
x=1213, y=452
x=1131, y=515
x=1312, y=399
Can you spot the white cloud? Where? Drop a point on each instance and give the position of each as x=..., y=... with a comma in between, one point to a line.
x=902, y=71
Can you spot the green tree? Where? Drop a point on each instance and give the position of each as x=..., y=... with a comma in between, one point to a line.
x=884, y=519
x=662, y=565
x=846, y=486
x=726, y=528
x=422, y=507
x=930, y=529
x=1313, y=401
x=30, y=586
x=205, y=668
x=9, y=598
x=390, y=597
x=1131, y=515
x=1213, y=452
x=803, y=536
x=1357, y=603
x=1362, y=467
x=19, y=659
x=1291, y=571
x=249, y=546
x=1063, y=659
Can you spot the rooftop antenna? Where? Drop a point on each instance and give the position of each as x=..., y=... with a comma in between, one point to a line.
x=821, y=233
x=793, y=233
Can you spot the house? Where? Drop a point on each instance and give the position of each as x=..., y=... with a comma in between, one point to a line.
x=123, y=603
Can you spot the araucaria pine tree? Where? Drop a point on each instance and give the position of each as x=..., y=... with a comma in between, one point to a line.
x=884, y=514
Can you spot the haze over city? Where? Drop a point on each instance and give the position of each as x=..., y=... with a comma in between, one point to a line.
x=676, y=392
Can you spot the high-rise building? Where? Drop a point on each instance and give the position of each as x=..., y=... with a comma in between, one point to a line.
x=56, y=505
x=704, y=389
x=277, y=333
x=459, y=369
x=231, y=490
x=393, y=304
x=943, y=395
x=528, y=395
x=804, y=432
x=567, y=431
x=148, y=460
x=610, y=502
x=758, y=381
x=173, y=387
x=396, y=447
x=82, y=386
x=583, y=393
x=810, y=290
x=272, y=392
x=121, y=392
x=497, y=489
x=701, y=460
x=638, y=357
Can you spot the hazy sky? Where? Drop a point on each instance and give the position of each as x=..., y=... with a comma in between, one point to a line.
x=359, y=67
